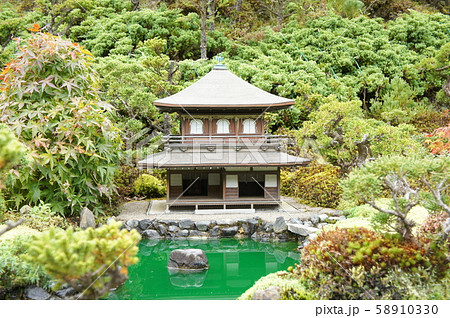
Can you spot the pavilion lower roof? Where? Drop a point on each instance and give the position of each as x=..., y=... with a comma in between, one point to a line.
x=221, y=158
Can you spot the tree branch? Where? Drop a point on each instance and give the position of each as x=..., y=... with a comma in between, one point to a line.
x=376, y=207
x=10, y=225
x=442, y=68
x=437, y=193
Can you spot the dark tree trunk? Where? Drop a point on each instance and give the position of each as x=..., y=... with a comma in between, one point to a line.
x=280, y=10
x=204, y=17
x=446, y=87
x=171, y=72
x=136, y=4
x=212, y=15
x=238, y=6
x=166, y=124
x=364, y=151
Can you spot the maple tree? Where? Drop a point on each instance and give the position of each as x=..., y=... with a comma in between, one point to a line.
x=49, y=98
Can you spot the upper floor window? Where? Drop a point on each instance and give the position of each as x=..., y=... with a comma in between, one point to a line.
x=196, y=126
x=223, y=126
x=249, y=126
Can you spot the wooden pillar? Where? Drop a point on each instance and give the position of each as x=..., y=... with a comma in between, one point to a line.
x=279, y=183
x=223, y=184
x=168, y=185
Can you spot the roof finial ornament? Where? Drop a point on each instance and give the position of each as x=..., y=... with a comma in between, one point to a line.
x=219, y=66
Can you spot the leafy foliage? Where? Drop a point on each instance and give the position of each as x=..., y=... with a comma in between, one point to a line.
x=124, y=180
x=122, y=33
x=131, y=86
x=50, y=99
x=354, y=264
x=316, y=185
x=402, y=179
x=11, y=151
x=347, y=139
x=95, y=256
x=13, y=24
x=149, y=186
x=14, y=270
x=397, y=105
x=62, y=15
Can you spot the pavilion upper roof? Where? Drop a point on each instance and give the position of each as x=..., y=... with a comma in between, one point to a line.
x=222, y=90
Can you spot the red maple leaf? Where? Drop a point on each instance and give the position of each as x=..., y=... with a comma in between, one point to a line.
x=35, y=28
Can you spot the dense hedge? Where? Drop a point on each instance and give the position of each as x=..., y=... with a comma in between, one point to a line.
x=316, y=185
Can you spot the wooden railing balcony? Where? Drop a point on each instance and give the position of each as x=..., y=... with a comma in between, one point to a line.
x=277, y=142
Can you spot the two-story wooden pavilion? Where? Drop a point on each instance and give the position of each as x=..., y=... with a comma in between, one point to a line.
x=223, y=158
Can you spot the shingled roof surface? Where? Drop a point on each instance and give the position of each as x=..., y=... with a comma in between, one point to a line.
x=220, y=158
x=221, y=88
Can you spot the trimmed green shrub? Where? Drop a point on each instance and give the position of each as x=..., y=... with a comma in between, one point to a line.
x=16, y=272
x=91, y=261
x=149, y=186
x=316, y=185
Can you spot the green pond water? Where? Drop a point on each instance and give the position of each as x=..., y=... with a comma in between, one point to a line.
x=234, y=266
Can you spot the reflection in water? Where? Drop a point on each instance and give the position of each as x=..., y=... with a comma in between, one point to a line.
x=187, y=279
x=234, y=266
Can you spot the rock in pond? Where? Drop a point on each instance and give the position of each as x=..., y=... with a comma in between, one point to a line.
x=188, y=259
x=252, y=225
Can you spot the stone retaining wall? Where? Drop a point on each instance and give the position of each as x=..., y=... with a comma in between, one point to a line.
x=254, y=228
